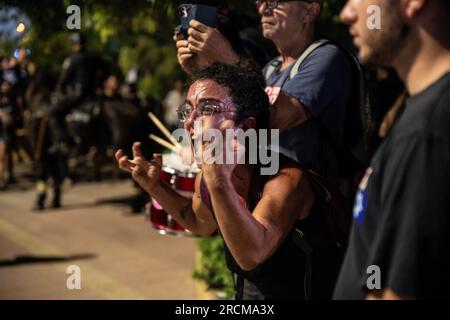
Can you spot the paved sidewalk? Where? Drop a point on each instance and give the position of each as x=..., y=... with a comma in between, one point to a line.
x=120, y=255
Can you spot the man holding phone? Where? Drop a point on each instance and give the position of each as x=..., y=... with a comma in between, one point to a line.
x=199, y=44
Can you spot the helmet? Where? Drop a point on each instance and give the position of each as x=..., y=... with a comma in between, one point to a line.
x=77, y=38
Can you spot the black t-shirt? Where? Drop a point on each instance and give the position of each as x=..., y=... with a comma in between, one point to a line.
x=402, y=209
x=282, y=275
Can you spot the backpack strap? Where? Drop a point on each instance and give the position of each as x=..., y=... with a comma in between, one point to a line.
x=295, y=68
x=272, y=66
x=313, y=46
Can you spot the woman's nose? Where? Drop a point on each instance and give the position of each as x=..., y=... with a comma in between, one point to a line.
x=189, y=121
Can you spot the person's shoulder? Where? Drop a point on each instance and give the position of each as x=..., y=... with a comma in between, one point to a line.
x=428, y=112
x=329, y=47
x=425, y=122
x=329, y=50
x=440, y=119
x=284, y=161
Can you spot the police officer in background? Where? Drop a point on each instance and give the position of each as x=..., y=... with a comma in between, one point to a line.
x=76, y=83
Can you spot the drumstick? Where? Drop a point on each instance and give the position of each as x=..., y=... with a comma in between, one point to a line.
x=163, y=142
x=163, y=129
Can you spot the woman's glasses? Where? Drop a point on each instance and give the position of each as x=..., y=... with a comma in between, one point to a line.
x=206, y=107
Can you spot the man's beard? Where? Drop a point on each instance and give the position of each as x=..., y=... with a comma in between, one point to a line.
x=387, y=43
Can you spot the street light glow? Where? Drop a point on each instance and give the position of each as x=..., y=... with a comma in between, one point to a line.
x=20, y=27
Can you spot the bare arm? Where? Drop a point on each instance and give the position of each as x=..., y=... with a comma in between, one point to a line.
x=192, y=214
x=252, y=238
x=288, y=112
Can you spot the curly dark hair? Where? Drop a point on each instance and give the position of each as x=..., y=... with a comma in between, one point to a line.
x=246, y=88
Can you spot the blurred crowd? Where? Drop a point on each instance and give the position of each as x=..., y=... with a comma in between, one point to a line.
x=16, y=74
x=67, y=127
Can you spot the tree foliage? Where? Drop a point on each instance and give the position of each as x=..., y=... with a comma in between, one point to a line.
x=127, y=35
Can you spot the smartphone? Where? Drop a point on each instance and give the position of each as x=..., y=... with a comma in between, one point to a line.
x=203, y=13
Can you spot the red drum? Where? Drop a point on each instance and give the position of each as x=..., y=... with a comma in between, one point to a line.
x=185, y=184
x=160, y=219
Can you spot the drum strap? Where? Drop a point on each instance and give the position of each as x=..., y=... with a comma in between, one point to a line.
x=238, y=281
